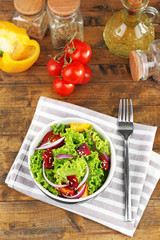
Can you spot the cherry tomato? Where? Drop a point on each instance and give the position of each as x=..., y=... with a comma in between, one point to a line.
x=73, y=72
x=88, y=75
x=54, y=138
x=62, y=87
x=82, y=52
x=47, y=136
x=54, y=68
x=61, y=59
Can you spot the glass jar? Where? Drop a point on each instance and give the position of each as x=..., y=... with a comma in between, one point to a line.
x=65, y=20
x=130, y=28
x=145, y=64
x=32, y=16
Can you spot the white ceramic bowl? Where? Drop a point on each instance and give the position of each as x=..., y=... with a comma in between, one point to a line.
x=101, y=133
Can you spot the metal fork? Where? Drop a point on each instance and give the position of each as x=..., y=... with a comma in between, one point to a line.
x=125, y=129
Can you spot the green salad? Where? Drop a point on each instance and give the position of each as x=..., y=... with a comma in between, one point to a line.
x=71, y=161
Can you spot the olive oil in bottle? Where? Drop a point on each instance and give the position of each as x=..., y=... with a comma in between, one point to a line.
x=130, y=28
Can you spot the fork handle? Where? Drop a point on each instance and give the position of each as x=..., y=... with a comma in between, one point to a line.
x=127, y=182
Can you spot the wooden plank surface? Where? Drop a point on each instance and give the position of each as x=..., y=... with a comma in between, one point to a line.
x=19, y=93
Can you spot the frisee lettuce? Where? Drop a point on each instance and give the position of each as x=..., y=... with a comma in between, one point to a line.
x=73, y=166
x=36, y=169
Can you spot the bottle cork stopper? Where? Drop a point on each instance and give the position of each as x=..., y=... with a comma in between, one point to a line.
x=63, y=7
x=134, y=3
x=29, y=7
x=135, y=66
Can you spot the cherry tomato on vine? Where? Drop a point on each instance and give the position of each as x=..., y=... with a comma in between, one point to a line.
x=87, y=75
x=54, y=68
x=73, y=72
x=61, y=59
x=62, y=87
x=82, y=52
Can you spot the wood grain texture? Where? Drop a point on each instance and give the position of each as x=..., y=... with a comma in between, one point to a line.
x=19, y=94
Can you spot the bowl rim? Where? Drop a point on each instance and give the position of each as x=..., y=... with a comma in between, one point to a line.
x=100, y=132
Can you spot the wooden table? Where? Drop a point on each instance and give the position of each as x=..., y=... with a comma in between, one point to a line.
x=19, y=93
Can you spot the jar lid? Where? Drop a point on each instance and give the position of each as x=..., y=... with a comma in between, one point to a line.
x=135, y=66
x=135, y=3
x=63, y=7
x=29, y=7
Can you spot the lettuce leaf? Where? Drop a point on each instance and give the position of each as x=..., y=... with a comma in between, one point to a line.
x=67, y=167
x=59, y=129
x=37, y=171
x=96, y=176
x=101, y=145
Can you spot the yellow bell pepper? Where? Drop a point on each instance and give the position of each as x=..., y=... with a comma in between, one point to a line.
x=17, y=51
x=79, y=127
x=85, y=194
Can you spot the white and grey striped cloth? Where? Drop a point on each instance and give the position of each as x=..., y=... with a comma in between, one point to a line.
x=108, y=207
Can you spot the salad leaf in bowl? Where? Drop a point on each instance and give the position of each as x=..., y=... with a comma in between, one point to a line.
x=72, y=160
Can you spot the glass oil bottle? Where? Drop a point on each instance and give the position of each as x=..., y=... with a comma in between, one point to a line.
x=130, y=28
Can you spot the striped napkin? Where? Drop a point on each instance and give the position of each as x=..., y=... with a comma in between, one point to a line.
x=108, y=207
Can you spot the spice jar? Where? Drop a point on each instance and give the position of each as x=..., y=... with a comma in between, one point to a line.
x=65, y=20
x=145, y=64
x=31, y=15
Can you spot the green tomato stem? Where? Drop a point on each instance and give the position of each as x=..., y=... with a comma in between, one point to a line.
x=1, y=53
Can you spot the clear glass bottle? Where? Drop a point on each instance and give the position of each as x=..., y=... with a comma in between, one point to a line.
x=130, y=28
x=32, y=16
x=145, y=64
x=65, y=20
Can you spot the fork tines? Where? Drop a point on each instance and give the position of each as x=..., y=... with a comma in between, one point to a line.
x=125, y=113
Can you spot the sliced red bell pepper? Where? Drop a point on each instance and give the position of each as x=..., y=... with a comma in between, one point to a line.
x=67, y=191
